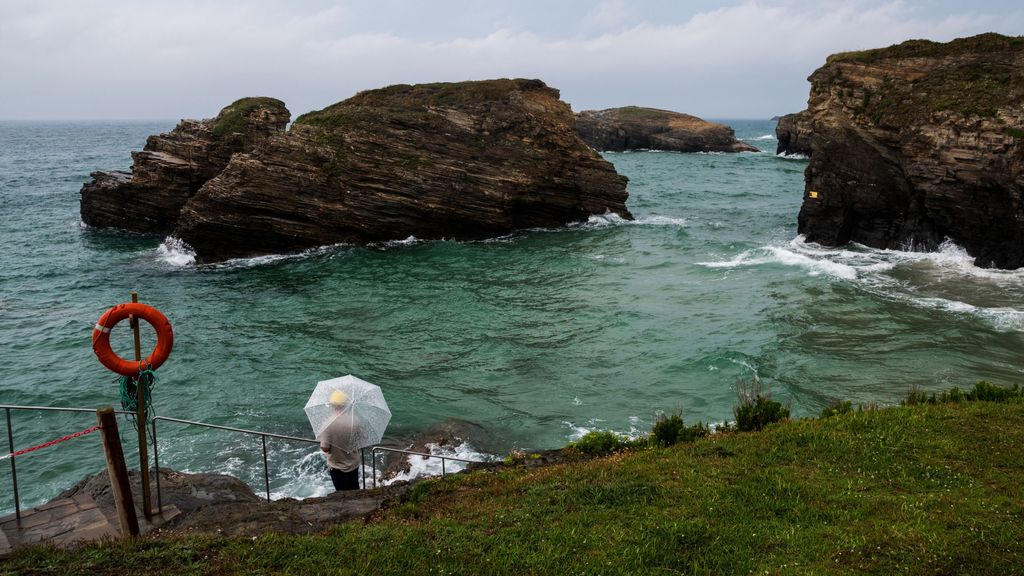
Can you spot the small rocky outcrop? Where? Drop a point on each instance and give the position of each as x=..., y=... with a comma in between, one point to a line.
x=793, y=132
x=172, y=167
x=452, y=160
x=636, y=128
x=916, y=143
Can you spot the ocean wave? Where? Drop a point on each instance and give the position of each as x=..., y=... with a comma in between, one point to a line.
x=761, y=138
x=176, y=252
x=611, y=219
x=793, y=156
x=787, y=257
x=637, y=429
x=946, y=279
x=421, y=467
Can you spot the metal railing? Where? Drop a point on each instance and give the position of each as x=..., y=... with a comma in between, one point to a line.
x=263, y=438
x=10, y=440
x=386, y=449
x=266, y=470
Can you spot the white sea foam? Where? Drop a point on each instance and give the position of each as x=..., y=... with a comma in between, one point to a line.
x=945, y=280
x=176, y=252
x=637, y=428
x=764, y=137
x=395, y=243
x=787, y=257
x=660, y=221
x=793, y=156
x=420, y=466
x=611, y=219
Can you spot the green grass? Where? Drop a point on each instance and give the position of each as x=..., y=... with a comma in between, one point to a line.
x=234, y=117
x=982, y=43
x=925, y=489
x=977, y=77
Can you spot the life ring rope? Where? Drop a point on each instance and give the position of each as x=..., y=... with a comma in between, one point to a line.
x=110, y=318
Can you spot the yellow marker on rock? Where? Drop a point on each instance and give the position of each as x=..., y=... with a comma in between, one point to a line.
x=813, y=195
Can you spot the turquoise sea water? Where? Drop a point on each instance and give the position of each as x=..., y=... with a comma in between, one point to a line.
x=536, y=337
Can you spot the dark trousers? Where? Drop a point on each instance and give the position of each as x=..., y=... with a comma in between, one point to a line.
x=345, y=480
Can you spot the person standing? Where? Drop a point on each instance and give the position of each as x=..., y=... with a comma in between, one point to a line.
x=343, y=465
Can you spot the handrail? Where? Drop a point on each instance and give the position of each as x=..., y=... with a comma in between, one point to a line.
x=263, y=437
x=220, y=427
x=373, y=453
x=10, y=440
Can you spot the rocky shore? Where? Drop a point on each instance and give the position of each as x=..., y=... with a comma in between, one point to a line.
x=914, y=144
x=462, y=160
x=636, y=128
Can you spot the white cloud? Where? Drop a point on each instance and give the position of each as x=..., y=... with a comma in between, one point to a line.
x=64, y=59
x=607, y=15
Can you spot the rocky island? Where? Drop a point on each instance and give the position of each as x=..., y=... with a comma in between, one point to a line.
x=449, y=160
x=914, y=144
x=636, y=128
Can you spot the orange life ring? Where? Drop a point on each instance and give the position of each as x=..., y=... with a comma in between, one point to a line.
x=110, y=318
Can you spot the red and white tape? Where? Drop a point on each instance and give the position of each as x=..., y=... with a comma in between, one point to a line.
x=51, y=442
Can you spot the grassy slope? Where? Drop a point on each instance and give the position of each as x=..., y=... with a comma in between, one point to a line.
x=933, y=489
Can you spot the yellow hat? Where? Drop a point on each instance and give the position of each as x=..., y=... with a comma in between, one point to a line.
x=338, y=398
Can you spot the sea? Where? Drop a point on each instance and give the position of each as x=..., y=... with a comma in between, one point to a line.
x=525, y=341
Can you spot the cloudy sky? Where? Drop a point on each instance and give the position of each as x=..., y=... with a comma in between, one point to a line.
x=133, y=59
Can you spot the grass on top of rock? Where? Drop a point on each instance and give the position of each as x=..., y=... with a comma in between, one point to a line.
x=923, y=489
x=982, y=43
x=234, y=117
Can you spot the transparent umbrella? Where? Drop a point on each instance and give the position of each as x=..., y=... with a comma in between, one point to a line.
x=354, y=408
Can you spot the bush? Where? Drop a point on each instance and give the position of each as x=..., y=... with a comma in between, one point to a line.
x=669, y=430
x=756, y=410
x=988, y=392
x=599, y=443
x=837, y=407
x=983, y=391
x=916, y=396
x=952, y=396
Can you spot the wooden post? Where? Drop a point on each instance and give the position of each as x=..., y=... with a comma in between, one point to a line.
x=140, y=416
x=118, y=472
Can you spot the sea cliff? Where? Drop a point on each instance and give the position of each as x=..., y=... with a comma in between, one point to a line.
x=450, y=160
x=914, y=144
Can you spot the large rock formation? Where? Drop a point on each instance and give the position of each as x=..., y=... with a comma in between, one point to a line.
x=916, y=143
x=172, y=167
x=464, y=160
x=635, y=128
x=793, y=132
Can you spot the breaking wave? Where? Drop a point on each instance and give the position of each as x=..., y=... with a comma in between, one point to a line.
x=946, y=279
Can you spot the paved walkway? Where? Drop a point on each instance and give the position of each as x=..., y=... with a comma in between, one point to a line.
x=66, y=521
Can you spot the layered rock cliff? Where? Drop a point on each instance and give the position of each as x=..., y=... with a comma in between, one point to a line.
x=172, y=167
x=463, y=160
x=793, y=133
x=635, y=128
x=916, y=143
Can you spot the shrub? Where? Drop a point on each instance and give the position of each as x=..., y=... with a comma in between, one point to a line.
x=952, y=396
x=982, y=391
x=669, y=430
x=837, y=407
x=990, y=392
x=916, y=396
x=598, y=443
x=756, y=410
